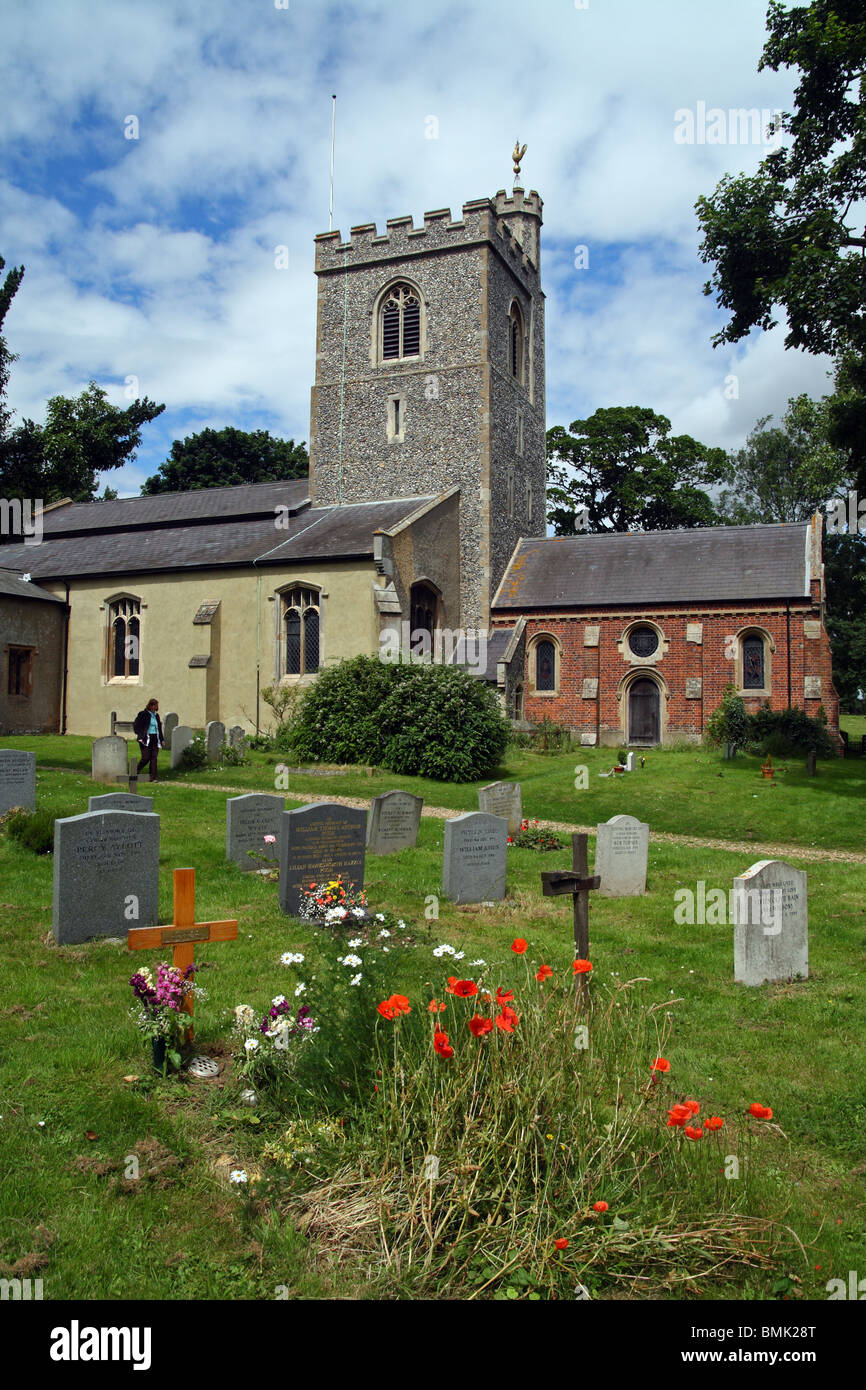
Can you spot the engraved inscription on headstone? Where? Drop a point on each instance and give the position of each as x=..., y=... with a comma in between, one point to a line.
x=120, y=801
x=771, y=923
x=109, y=759
x=476, y=851
x=215, y=733
x=106, y=870
x=503, y=799
x=393, y=822
x=248, y=820
x=621, y=852
x=320, y=842
x=181, y=737
x=17, y=779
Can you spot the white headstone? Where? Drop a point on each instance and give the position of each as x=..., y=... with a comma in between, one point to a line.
x=109, y=759
x=629, y=762
x=771, y=923
x=17, y=780
x=503, y=799
x=621, y=853
x=476, y=851
x=181, y=737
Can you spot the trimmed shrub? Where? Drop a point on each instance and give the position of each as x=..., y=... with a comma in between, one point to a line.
x=32, y=829
x=416, y=719
x=786, y=732
x=194, y=756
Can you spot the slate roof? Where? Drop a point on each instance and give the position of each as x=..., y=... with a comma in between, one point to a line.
x=220, y=528
x=719, y=563
x=497, y=641
x=12, y=584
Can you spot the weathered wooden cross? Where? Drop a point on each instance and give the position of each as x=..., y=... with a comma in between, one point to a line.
x=577, y=882
x=183, y=932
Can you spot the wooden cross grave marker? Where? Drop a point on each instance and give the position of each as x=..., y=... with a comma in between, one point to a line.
x=183, y=932
x=578, y=882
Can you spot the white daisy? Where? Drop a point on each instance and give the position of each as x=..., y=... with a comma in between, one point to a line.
x=237, y=1175
x=356, y=941
x=356, y=979
x=380, y=916
x=252, y=1044
x=384, y=933
x=351, y=960
x=300, y=989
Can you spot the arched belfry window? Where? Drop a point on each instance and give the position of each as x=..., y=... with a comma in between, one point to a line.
x=301, y=626
x=400, y=323
x=515, y=342
x=124, y=638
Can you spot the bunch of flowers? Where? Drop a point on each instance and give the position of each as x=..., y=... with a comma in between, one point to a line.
x=332, y=903
x=532, y=836
x=159, y=1008
x=267, y=1052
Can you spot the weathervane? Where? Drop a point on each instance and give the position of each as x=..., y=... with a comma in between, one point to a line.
x=517, y=154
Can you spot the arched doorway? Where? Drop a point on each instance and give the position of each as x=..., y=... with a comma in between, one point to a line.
x=643, y=712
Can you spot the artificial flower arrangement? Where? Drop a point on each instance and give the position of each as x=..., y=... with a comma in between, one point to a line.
x=332, y=903
x=159, y=1009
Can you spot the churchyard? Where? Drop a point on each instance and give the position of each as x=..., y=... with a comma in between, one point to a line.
x=385, y=1162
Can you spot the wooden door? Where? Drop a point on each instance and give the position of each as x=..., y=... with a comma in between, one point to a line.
x=643, y=712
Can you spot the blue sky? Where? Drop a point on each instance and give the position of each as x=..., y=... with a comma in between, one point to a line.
x=153, y=259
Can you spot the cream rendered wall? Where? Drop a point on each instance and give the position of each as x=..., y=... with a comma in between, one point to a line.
x=249, y=603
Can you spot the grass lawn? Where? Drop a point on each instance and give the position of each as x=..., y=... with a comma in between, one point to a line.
x=72, y=1121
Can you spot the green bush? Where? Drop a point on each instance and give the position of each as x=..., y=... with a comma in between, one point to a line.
x=729, y=722
x=785, y=732
x=416, y=719
x=32, y=829
x=233, y=757
x=194, y=756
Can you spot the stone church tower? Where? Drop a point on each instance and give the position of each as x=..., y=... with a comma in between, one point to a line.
x=430, y=375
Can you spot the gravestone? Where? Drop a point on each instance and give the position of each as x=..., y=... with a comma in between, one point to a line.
x=106, y=874
x=120, y=801
x=320, y=842
x=629, y=762
x=237, y=738
x=214, y=734
x=621, y=852
x=393, y=822
x=503, y=799
x=248, y=820
x=17, y=779
x=181, y=737
x=169, y=724
x=109, y=759
x=476, y=850
x=771, y=923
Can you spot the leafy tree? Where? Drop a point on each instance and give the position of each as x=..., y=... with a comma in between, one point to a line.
x=845, y=577
x=785, y=473
x=7, y=294
x=728, y=724
x=628, y=472
x=786, y=235
x=225, y=458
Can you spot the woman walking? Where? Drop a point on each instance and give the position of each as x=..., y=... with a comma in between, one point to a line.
x=148, y=730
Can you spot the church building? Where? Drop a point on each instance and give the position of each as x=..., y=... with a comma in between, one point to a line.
x=424, y=512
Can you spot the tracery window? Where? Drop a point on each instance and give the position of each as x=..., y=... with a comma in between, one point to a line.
x=301, y=624
x=400, y=323
x=124, y=638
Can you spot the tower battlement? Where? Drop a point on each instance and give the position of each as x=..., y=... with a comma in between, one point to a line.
x=511, y=223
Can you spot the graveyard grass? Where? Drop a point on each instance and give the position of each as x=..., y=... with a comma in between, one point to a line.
x=675, y=1227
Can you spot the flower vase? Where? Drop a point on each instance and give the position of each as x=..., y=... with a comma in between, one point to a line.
x=159, y=1051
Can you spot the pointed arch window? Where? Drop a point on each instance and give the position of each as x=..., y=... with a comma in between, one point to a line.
x=400, y=323
x=124, y=638
x=545, y=666
x=515, y=342
x=753, y=663
x=301, y=629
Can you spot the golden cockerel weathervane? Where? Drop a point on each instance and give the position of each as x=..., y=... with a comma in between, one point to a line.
x=517, y=155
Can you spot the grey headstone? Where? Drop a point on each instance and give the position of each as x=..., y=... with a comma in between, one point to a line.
x=169, y=724
x=629, y=762
x=771, y=923
x=248, y=820
x=106, y=874
x=320, y=842
x=214, y=734
x=109, y=759
x=17, y=779
x=237, y=738
x=181, y=737
x=621, y=852
x=393, y=822
x=503, y=799
x=588, y=739
x=476, y=849
x=120, y=801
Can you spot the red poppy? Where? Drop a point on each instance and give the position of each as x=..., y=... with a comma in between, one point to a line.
x=504, y=996
x=713, y=1122
x=691, y=1133
x=400, y=1004
x=464, y=989
x=542, y=973
x=386, y=1009
x=692, y=1106
x=434, y=1007
x=507, y=1021
x=440, y=1044
x=760, y=1112
x=678, y=1114
x=519, y=946
x=581, y=967
x=478, y=1026
x=660, y=1064
x=561, y=1244
x=452, y=980
x=599, y=1206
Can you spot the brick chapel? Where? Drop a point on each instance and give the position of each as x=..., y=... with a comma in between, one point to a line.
x=424, y=508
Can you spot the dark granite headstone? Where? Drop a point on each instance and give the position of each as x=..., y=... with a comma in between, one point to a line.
x=320, y=842
x=248, y=820
x=106, y=873
x=17, y=780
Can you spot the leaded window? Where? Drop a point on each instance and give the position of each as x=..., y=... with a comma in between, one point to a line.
x=643, y=641
x=400, y=317
x=545, y=665
x=124, y=634
x=301, y=626
x=753, y=663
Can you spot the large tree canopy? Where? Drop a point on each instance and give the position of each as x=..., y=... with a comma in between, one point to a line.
x=622, y=470
x=225, y=458
x=785, y=472
x=845, y=574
